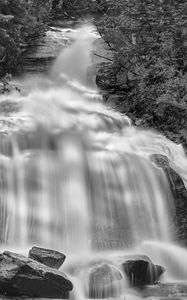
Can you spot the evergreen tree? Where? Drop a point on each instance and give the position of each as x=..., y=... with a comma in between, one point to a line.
x=147, y=39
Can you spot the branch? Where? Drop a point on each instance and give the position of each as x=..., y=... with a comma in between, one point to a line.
x=121, y=65
x=101, y=56
x=106, y=41
x=3, y=59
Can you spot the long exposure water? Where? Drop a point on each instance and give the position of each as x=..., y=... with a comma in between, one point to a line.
x=77, y=177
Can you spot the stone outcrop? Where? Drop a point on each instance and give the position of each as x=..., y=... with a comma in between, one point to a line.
x=142, y=272
x=48, y=257
x=42, y=52
x=179, y=194
x=22, y=276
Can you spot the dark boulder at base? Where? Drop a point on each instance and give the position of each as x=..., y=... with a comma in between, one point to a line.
x=142, y=272
x=22, y=276
x=48, y=257
x=104, y=281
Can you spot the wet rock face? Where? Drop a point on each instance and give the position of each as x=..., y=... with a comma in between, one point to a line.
x=179, y=194
x=48, y=257
x=22, y=276
x=167, y=291
x=115, y=102
x=142, y=272
x=106, y=77
x=104, y=281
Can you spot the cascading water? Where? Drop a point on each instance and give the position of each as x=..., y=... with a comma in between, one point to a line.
x=77, y=177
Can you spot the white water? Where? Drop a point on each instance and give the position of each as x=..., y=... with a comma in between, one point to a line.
x=77, y=177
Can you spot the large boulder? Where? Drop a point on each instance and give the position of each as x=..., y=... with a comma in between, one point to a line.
x=104, y=281
x=142, y=272
x=48, y=257
x=179, y=193
x=22, y=276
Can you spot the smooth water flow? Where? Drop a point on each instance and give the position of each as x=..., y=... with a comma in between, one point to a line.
x=77, y=177
x=74, y=62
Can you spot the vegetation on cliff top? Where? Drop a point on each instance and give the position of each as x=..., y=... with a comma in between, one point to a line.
x=147, y=38
x=20, y=21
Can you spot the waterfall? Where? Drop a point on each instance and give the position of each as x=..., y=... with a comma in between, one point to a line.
x=75, y=175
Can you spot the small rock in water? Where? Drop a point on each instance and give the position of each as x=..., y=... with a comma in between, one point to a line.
x=22, y=276
x=104, y=281
x=142, y=272
x=160, y=160
x=48, y=257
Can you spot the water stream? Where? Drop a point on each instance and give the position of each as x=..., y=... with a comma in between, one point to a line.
x=77, y=177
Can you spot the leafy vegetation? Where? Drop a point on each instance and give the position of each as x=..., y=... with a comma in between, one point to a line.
x=20, y=21
x=147, y=38
x=75, y=8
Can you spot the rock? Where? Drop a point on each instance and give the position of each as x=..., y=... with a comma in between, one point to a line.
x=179, y=193
x=133, y=257
x=40, y=55
x=121, y=80
x=142, y=272
x=106, y=77
x=164, y=291
x=104, y=281
x=160, y=160
x=22, y=276
x=114, y=101
x=48, y=257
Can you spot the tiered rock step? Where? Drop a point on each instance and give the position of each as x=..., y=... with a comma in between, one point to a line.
x=162, y=291
x=40, y=55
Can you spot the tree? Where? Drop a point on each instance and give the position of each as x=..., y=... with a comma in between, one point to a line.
x=147, y=40
x=19, y=20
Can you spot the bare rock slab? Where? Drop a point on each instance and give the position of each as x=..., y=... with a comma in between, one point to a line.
x=48, y=257
x=22, y=276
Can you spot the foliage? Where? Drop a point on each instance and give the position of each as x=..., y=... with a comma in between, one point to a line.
x=77, y=8
x=6, y=86
x=147, y=38
x=19, y=20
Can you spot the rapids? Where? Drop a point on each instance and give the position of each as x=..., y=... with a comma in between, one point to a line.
x=77, y=177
